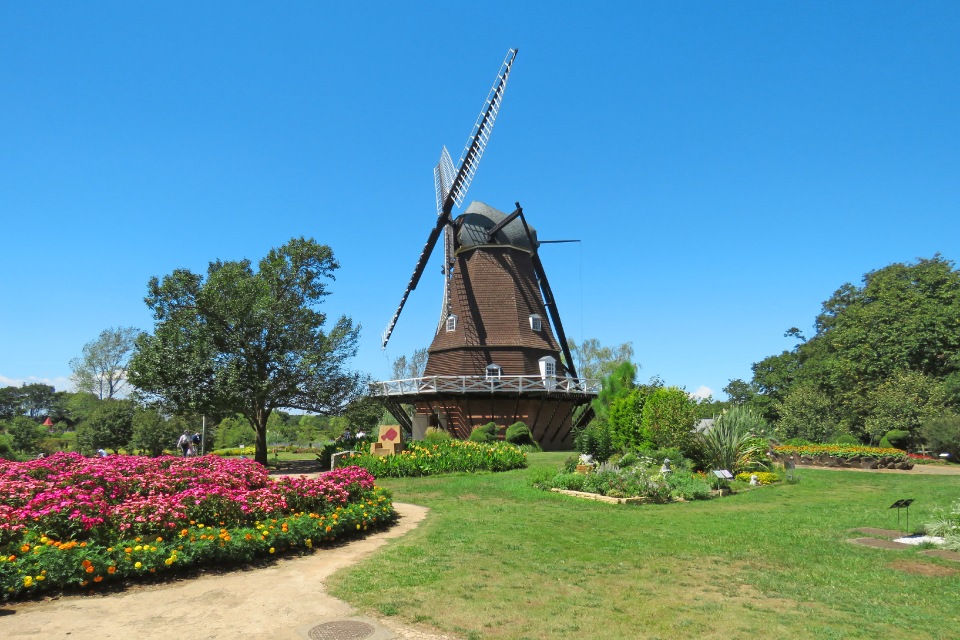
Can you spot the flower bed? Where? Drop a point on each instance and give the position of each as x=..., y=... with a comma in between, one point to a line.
x=69, y=521
x=763, y=477
x=841, y=451
x=421, y=459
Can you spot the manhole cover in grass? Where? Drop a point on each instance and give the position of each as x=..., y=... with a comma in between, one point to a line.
x=341, y=630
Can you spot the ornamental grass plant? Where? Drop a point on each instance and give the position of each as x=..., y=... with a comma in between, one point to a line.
x=445, y=456
x=68, y=521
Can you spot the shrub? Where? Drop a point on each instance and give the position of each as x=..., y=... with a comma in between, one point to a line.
x=435, y=435
x=731, y=443
x=570, y=464
x=847, y=439
x=669, y=415
x=518, y=434
x=627, y=460
x=626, y=420
x=688, y=486
x=594, y=440
x=897, y=439
x=942, y=435
x=484, y=433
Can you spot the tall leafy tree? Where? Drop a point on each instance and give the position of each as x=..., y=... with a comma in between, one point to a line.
x=110, y=426
x=871, y=344
x=596, y=361
x=102, y=368
x=249, y=342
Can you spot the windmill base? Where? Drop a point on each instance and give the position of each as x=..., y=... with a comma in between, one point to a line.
x=549, y=419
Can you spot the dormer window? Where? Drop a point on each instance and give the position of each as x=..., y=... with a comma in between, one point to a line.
x=493, y=372
x=535, y=322
x=548, y=367
x=451, y=323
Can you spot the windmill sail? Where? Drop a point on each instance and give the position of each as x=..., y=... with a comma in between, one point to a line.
x=458, y=187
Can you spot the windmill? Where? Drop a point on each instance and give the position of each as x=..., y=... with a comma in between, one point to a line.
x=494, y=356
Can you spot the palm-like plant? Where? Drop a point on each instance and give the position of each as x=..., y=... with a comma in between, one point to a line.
x=733, y=443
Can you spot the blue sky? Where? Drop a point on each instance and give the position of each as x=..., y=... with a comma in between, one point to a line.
x=726, y=165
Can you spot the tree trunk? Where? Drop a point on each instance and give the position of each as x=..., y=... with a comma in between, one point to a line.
x=260, y=440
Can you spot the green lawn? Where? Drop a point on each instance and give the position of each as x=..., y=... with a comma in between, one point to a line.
x=499, y=559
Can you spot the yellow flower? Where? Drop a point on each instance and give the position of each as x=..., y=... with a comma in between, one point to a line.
x=138, y=548
x=271, y=549
x=168, y=561
x=138, y=565
x=309, y=543
x=41, y=577
x=28, y=581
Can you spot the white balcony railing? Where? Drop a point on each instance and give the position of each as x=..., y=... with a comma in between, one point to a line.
x=482, y=384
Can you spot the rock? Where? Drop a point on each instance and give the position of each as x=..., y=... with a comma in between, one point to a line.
x=806, y=460
x=908, y=465
x=903, y=466
x=886, y=460
x=853, y=459
x=834, y=461
x=823, y=459
x=869, y=463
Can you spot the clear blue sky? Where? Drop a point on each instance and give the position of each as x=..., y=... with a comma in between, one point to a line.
x=726, y=165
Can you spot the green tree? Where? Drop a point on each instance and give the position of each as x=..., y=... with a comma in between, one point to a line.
x=808, y=413
x=103, y=366
x=739, y=392
x=249, y=342
x=669, y=415
x=904, y=318
x=109, y=427
x=24, y=432
x=903, y=402
x=235, y=432
x=153, y=433
x=595, y=361
x=942, y=434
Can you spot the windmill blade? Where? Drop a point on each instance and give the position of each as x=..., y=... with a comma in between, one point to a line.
x=470, y=158
x=415, y=278
x=443, y=176
x=548, y=299
x=551, y=305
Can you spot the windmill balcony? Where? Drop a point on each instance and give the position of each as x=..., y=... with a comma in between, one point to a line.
x=484, y=384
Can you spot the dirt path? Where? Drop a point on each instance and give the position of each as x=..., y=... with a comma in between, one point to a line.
x=919, y=469
x=279, y=601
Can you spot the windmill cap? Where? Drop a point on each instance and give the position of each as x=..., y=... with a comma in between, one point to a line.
x=476, y=222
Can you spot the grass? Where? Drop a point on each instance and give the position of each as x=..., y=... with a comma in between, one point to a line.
x=498, y=559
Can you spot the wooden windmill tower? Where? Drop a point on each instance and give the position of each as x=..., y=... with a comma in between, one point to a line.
x=495, y=356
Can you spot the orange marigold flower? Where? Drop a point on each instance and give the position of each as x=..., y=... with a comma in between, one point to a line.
x=86, y=563
x=89, y=569
x=98, y=579
x=111, y=569
x=25, y=548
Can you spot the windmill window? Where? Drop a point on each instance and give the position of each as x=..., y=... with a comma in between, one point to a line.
x=548, y=367
x=493, y=372
x=451, y=323
x=535, y=323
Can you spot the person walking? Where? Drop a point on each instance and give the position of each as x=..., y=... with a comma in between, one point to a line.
x=197, y=441
x=184, y=443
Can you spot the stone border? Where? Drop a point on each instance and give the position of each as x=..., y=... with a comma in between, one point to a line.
x=856, y=462
x=612, y=500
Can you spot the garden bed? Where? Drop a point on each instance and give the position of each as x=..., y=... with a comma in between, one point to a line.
x=73, y=522
x=445, y=456
x=850, y=456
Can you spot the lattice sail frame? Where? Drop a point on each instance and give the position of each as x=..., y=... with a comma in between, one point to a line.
x=482, y=128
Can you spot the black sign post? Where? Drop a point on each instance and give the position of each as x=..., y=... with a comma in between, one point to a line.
x=902, y=504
